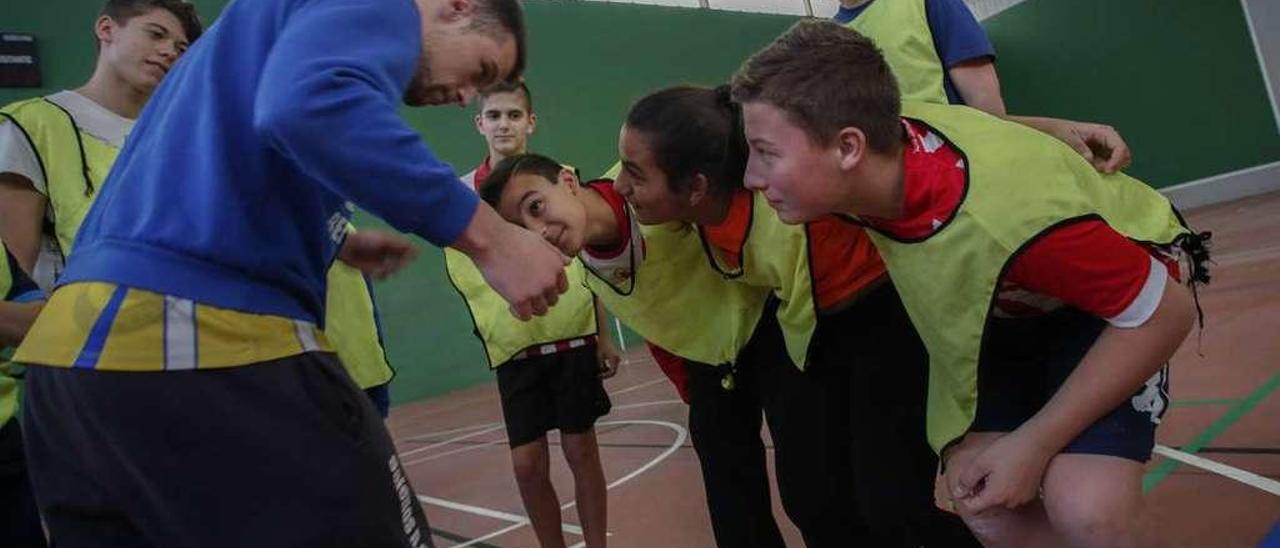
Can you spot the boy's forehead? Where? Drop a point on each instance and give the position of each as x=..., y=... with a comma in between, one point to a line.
x=769, y=122
x=157, y=16
x=521, y=185
x=506, y=100
x=160, y=17
x=762, y=112
x=525, y=182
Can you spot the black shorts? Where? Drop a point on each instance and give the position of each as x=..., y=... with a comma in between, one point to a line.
x=380, y=397
x=287, y=452
x=556, y=391
x=19, y=519
x=1026, y=360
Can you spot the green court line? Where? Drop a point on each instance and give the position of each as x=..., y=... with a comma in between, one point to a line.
x=1233, y=415
x=1197, y=403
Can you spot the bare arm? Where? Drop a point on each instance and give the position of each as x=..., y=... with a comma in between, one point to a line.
x=22, y=210
x=16, y=319
x=607, y=352
x=977, y=83
x=1100, y=144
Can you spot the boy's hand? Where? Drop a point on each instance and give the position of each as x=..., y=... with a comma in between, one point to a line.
x=1007, y=473
x=608, y=358
x=1100, y=144
x=376, y=253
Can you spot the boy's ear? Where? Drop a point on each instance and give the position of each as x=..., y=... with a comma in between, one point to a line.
x=479, y=118
x=452, y=11
x=850, y=147
x=569, y=178
x=533, y=123
x=699, y=188
x=104, y=29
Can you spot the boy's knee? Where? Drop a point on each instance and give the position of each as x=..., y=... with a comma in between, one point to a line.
x=992, y=527
x=578, y=449
x=529, y=468
x=1091, y=522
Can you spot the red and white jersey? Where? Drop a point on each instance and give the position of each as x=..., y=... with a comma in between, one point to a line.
x=618, y=265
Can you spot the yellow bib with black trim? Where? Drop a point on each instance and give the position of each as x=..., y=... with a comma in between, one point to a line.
x=75, y=164
x=775, y=257
x=504, y=335
x=676, y=302
x=351, y=326
x=900, y=28
x=1020, y=184
x=8, y=393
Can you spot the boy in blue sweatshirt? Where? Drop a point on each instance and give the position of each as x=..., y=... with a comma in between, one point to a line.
x=182, y=392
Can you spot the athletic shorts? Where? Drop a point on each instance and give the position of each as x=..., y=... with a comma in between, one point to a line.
x=555, y=391
x=1026, y=360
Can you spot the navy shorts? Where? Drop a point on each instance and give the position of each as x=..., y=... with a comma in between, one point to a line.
x=1026, y=360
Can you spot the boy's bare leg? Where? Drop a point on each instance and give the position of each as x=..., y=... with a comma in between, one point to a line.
x=583, y=455
x=1097, y=501
x=533, y=476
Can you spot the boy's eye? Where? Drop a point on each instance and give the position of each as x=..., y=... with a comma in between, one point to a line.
x=535, y=207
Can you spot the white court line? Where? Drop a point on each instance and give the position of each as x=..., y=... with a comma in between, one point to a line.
x=462, y=449
x=638, y=386
x=519, y=521
x=497, y=533
x=450, y=441
x=1243, y=476
x=490, y=425
x=490, y=513
x=646, y=404
x=429, y=435
x=477, y=510
x=681, y=435
x=504, y=440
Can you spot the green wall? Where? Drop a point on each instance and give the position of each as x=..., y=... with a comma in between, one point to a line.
x=1177, y=77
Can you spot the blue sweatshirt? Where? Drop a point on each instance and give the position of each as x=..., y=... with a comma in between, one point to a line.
x=235, y=185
